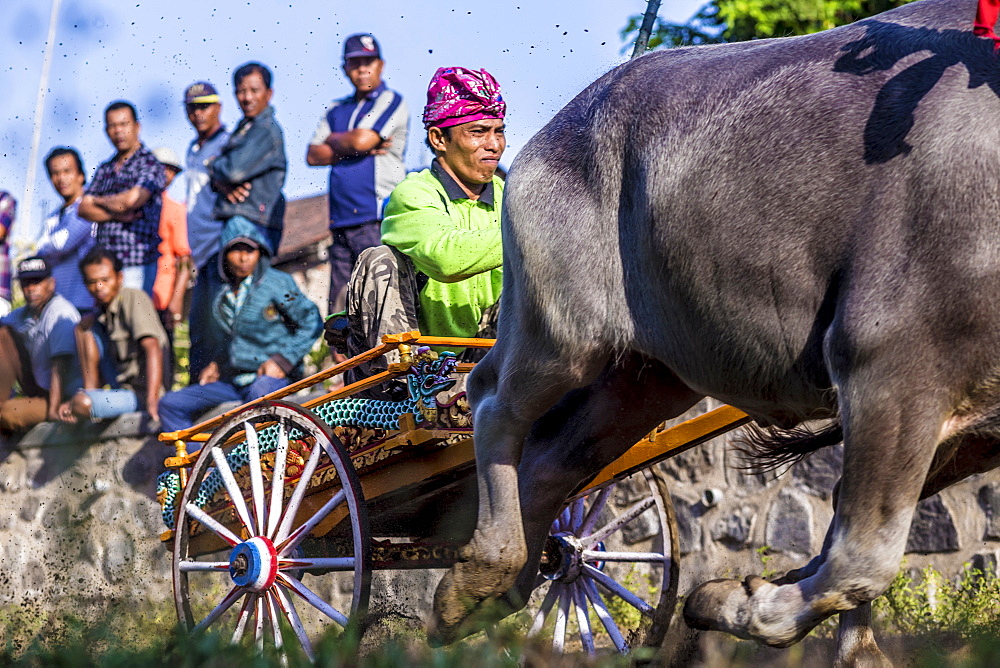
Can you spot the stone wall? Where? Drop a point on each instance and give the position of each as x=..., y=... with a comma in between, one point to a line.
x=79, y=524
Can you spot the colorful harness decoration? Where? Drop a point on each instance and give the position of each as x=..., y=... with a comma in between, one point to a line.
x=429, y=375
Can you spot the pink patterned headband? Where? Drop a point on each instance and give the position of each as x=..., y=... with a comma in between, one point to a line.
x=458, y=95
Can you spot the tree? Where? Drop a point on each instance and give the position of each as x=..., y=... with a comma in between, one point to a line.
x=740, y=20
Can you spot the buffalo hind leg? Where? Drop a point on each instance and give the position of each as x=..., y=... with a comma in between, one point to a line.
x=869, y=529
x=514, y=385
x=856, y=644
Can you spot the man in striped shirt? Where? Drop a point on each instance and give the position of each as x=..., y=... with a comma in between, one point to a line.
x=362, y=138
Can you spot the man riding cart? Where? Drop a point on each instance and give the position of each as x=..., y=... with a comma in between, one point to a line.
x=440, y=268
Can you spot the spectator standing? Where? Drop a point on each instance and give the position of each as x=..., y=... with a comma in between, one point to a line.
x=204, y=109
x=174, y=271
x=8, y=209
x=67, y=237
x=250, y=172
x=124, y=199
x=37, y=351
x=266, y=326
x=362, y=137
x=122, y=344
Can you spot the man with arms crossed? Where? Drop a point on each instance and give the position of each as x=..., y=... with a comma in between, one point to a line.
x=362, y=137
x=124, y=199
x=250, y=171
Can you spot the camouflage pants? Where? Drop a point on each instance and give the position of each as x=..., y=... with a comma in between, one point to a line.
x=383, y=298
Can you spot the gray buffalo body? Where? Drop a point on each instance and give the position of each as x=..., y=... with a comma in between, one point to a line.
x=804, y=228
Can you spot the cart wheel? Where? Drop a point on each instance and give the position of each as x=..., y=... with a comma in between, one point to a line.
x=258, y=533
x=588, y=555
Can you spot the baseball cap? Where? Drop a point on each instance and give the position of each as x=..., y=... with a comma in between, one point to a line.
x=361, y=46
x=201, y=92
x=168, y=157
x=33, y=269
x=253, y=243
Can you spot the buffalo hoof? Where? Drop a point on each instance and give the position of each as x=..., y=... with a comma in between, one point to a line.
x=467, y=599
x=856, y=646
x=738, y=608
x=705, y=606
x=866, y=655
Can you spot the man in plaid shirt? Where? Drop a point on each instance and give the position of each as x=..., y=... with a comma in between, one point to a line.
x=124, y=199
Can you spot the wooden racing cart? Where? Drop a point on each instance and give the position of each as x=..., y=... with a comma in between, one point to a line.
x=338, y=487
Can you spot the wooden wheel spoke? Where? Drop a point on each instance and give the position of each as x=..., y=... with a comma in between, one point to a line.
x=562, y=617
x=298, y=494
x=195, y=566
x=233, y=488
x=241, y=622
x=626, y=557
x=210, y=523
x=227, y=602
x=312, y=598
x=576, y=516
x=562, y=524
x=550, y=598
x=288, y=609
x=296, y=536
x=618, y=590
x=258, y=619
x=601, y=500
x=328, y=563
x=256, y=477
x=272, y=613
x=594, y=596
x=582, y=620
x=614, y=525
x=278, y=480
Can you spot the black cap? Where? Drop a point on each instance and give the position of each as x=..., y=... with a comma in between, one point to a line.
x=252, y=243
x=361, y=46
x=33, y=269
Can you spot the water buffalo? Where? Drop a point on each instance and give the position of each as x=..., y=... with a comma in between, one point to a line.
x=805, y=228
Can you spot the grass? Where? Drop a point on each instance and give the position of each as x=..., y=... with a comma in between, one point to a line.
x=955, y=621
x=182, y=355
x=924, y=619
x=75, y=642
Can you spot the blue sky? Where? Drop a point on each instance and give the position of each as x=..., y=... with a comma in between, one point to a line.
x=542, y=53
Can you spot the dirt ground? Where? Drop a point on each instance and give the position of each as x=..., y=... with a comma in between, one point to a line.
x=719, y=650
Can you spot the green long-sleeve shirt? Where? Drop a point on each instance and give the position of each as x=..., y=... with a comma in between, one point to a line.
x=452, y=239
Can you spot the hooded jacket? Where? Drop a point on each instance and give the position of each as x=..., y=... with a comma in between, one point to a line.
x=276, y=320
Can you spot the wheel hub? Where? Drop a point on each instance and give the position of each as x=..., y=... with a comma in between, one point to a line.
x=254, y=564
x=562, y=558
